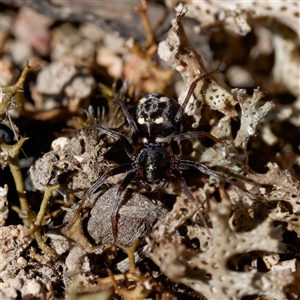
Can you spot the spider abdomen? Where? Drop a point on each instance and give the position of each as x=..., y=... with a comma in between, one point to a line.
x=155, y=118
x=154, y=161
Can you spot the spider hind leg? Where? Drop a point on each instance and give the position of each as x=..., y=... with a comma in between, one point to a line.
x=118, y=170
x=117, y=202
x=188, y=193
x=187, y=165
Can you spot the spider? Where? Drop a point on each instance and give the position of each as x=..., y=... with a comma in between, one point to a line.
x=155, y=127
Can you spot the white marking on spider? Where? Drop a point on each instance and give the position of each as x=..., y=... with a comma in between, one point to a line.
x=143, y=100
x=164, y=99
x=164, y=139
x=159, y=120
x=141, y=121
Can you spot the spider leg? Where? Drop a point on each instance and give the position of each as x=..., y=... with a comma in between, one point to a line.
x=145, y=185
x=116, y=205
x=186, y=165
x=187, y=192
x=191, y=90
x=127, y=146
x=118, y=170
x=163, y=183
x=130, y=121
x=183, y=185
x=191, y=135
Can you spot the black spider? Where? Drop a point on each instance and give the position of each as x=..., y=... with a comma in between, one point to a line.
x=155, y=127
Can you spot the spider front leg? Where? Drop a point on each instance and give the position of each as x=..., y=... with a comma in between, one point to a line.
x=120, y=97
x=180, y=111
x=186, y=165
x=130, y=121
x=127, y=146
x=191, y=135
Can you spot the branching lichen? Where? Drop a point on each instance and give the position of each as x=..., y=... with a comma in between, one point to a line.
x=7, y=102
x=181, y=56
x=208, y=272
x=13, y=153
x=251, y=115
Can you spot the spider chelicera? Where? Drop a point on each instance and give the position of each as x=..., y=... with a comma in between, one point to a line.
x=155, y=126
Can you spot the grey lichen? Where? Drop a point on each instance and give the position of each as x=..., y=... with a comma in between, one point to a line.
x=80, y=157
x=181, y=56
x=208, y=272
x=252, y=113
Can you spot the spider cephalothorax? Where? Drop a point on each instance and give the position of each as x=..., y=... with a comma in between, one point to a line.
x=155, y=127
